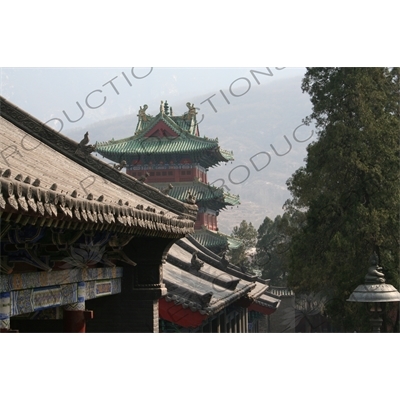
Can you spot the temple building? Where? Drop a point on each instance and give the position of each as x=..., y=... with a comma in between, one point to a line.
x=206, y=293
x=86, y=247
x=168, y=152
x=73, y=256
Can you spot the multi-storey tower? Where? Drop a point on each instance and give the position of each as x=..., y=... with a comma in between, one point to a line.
x=168, y=153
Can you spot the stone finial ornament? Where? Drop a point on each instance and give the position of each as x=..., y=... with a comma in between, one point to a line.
x=142, y=113
x=167, y=189
x=84, y=149
x=374, y=274
x=191, y=114
x=195, y=262
x=166, y=108
x=144, y=177
x=191, y=199
x=224, y=261
x=85, y=140
x=120, y=166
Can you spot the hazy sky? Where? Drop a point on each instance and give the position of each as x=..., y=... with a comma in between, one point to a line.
x=102, y=93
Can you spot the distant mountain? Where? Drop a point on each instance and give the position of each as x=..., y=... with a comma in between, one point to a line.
x=248, y=126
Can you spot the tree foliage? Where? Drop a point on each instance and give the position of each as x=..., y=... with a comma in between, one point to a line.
x=247, y=234
x=273, y=245
x=349, y=187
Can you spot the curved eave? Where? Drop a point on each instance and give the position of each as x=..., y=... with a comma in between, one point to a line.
x=184, y=303
x=133, y=151
x=233, y=243
x=139, y=147
x=211, y=239
x=206, y=195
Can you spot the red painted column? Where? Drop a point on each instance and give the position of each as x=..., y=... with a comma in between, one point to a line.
x=75, y=315
x=74, y=321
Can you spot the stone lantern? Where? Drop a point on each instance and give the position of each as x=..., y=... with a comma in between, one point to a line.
x=375, y=292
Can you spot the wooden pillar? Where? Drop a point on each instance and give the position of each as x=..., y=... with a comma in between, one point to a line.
x=75, y=315
x=75, y=320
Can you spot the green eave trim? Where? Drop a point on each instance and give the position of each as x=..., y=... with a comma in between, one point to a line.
x=206, y=195
x=212, y=239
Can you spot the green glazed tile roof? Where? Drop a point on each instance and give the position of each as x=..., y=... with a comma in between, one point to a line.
x=203, y=150
x=206, y=195
x=211, y=239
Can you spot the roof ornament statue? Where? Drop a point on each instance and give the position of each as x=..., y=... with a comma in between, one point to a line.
x=120, y=166
x=191, y=114
x=191, y=199
x=167, y=189
x=195, y=262
x=142, y=113
x=84, y=148
x=144, y=177
x=224, y=261
x=374, y=274
x=206, y=298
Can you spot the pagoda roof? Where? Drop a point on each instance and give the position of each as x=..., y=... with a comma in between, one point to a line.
x=206, y=195
x=165, y=136
x=212, y=239
x=53, y=177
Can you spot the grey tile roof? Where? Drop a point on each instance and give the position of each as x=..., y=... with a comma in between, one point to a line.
x=41, y=176
x=187, y=287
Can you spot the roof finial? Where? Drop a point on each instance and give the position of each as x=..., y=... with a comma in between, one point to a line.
x=142, y=113
x=191, y=114
x=374, y=274
x=166, y=107
x=162, y=107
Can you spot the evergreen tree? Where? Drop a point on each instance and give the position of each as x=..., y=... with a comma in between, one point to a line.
x=247, y=234
x=273, y=245
x=349, y=187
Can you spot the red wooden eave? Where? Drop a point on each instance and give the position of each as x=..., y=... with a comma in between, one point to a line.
x=261, y=309
x=184, y=317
